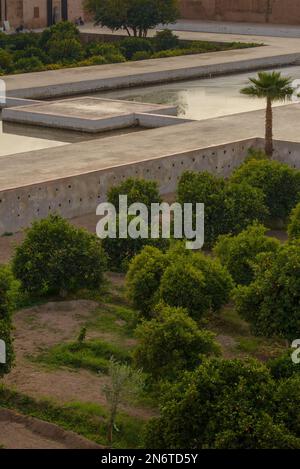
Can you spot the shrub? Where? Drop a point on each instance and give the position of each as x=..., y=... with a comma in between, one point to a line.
x=30, y=64
x=65, y=50
x=131, y=45
x=60, y=31
x=229, y=207
x=196, y=283
x=162, y=54
x=5, y=335
x=6, y=61
x=23, y=41
x=243, y=205
x=141, y=55
x=294, y=225
x=283, y=366
x=6, y=306
x=183, y=285
x=279, y=182
x=256, y=154
x=56, y=257
x=6, y=285
x=165, y=39
x=171, y=343
x=95, y=60
x=143, y=279
x=287, y=398
x=217, y=279
x=222, y=404
x=271, y=302
x=207, y=189
x=137, y=190
x=180, y=278
x=239, y=253
x=120, y=251
x=115, y=58
x=4, y=40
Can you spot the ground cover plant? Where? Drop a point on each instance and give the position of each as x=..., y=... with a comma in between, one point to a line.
x=60, y=46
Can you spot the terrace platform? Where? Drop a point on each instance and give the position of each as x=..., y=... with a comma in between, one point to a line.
x=87, y=114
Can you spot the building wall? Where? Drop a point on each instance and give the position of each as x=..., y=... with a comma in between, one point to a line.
x=24, y=12
x=257, y=11
x=14, y=10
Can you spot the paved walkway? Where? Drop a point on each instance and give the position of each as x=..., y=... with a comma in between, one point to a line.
x=256, y=29
x=54, y=163
x=277, y=51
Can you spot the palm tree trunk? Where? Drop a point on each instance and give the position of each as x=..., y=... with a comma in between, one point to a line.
x=269, y=129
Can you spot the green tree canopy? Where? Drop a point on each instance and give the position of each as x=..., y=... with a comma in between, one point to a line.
x=238, y=253
x=224, y=404
x=180, y=278
x=271, y=302
x=294, y=223
x=134, y=16
x=279, y=183
x=229, y=206
x=6, y=306
x=171, y=343
x=56, y=257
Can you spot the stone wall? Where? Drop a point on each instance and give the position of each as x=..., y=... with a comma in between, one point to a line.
x=80, y=195
x=33, y=13
x=257, y=11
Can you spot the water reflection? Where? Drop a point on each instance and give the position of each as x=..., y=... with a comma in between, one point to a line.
x=201, y=99
x=19, y=138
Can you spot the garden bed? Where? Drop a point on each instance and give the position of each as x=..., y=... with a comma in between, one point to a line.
x=62, y=46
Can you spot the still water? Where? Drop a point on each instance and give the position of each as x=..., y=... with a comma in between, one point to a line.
x=19, y=138
x=12, y=141
x=201, y=99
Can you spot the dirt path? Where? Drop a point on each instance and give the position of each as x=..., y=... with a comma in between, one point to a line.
x=17, y=436
x=19, y=431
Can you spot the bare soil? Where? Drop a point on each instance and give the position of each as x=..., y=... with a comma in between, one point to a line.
x=42, y=327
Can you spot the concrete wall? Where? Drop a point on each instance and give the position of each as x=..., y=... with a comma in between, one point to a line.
x=79, y=195
x=257, y=11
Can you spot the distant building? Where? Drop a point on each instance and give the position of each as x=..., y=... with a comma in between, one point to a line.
x=256, y=11
x=39, y=13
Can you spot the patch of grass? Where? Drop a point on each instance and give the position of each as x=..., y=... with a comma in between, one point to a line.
x=92, y=355
x=261, y=347
x=114, y=319
x=228, y=322
x=88, y=420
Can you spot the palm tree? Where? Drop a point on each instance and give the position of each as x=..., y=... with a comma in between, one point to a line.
x=273, y=87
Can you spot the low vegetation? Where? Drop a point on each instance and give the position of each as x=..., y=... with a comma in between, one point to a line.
x=60, y=46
